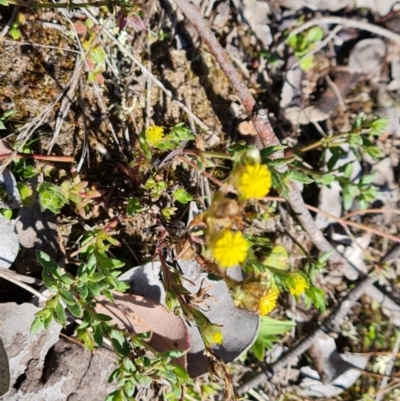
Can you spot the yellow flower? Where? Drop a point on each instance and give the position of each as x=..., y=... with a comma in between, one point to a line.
x=256, y=294
x=252, y=180
x=229, y=248
x=217, y=337
x=300, y=284
x=268, y=302
x=154, y=134
x=212, y=334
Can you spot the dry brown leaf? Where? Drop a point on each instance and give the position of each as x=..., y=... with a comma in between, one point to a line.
x=137, y=314
x=247, y=128
x=5, y=150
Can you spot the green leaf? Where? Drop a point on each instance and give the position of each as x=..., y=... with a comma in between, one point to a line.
x=37, y=322
x=67, y=279
x=134, y=206
x=292, y=41
x=374, y=151
x=307, y=63
x=51, y=197
x=173, y=354
x=326, y=179
x=75, y=309
x=129, y=365
x=129, y=388
x=258, y=349
x=48, y=263
x=349, y=193
x=324, y=258
x=315, y=34
x=119, y=394
x=84, y=291
x=299, y=177
x=2, y=126
x=283, y=161
x=94, y=288
x=96, y=277
x=379, y=126
x=182, y=373
x=7, y=213
x=317, y=296
x=107, y=263
x=278, y=258
x=15, y=33
x=122, y=286
x=337, y=153
x=98, y=335
x=182, y=196
x=114, y=375
x=67, y=297
x=368, y=178
x=47, y=321
x=26, y=192
x=348, y=170
x=59, y=314
x=119, y=342
x=266, y=152
x=102, y=317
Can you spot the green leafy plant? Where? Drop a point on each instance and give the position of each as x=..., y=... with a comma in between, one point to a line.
x=303, y=43
x=267, y=335
x=54, y=197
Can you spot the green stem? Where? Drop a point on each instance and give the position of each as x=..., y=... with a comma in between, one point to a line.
x=328, y=140
x=217, y=155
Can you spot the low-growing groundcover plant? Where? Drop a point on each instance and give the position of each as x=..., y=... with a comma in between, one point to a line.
x=221, y=238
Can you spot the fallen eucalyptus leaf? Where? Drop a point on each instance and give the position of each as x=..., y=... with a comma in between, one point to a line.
x=137, y=314
x=4, y=370
x=9, y=244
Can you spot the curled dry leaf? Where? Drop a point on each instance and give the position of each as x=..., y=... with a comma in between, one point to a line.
x=137, y=314
x=247, y=128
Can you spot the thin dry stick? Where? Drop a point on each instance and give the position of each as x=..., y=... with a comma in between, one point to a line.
x=347, y=22
x=64, y=49
x=18, y=282
x=353, y=224
x=368, y=211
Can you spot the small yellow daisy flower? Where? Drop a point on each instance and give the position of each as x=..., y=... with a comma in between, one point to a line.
x=212, y=334
x=300, y=284
x=268, y=302
x=229, y=248
x=154, y=134
x=252, y=180
x=217, y=337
